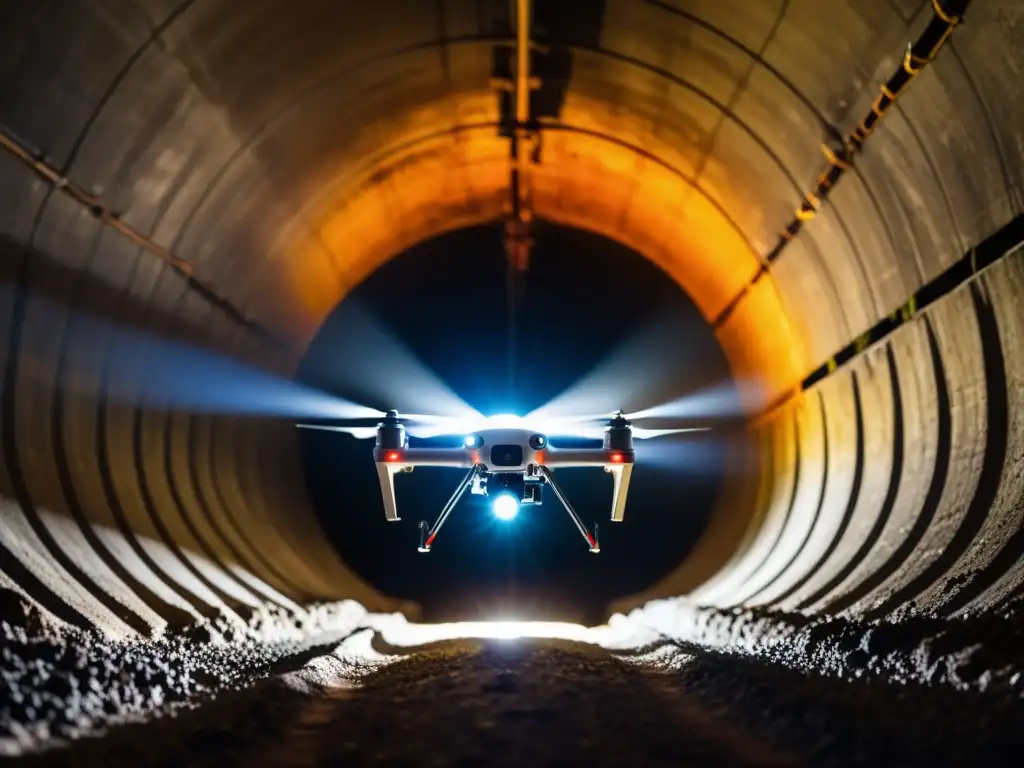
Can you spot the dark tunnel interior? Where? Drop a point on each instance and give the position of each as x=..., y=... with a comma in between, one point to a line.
x=210, y=211
x=178, y=170
x=444, y=303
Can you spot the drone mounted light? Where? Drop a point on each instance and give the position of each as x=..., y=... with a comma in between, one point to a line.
x=505, y=506
x=537, y=442
x=473, y=441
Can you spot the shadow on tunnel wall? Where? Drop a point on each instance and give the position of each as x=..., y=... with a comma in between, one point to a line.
x=897, y=484
x=121, y=510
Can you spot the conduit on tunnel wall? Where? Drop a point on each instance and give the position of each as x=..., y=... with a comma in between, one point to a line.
x=287, y=150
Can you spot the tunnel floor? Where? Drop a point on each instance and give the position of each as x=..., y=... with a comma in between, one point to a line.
x=554, y=702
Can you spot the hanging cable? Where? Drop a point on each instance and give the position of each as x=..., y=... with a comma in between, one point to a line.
x=36, y=161
x=947, y=15
x=522, y=135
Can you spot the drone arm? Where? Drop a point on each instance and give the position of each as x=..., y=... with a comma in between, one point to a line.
x=392, y=461
x=585, y=457
x=427, y=457
x=618, y=463
x=620, y=487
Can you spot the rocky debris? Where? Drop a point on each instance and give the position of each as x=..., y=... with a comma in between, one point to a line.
x=980, y=653
x=60, y=683
x=554, y=702
x=460, y=702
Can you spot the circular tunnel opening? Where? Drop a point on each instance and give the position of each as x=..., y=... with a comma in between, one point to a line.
x=597, y=326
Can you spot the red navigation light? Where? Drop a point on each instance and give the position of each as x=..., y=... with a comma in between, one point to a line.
x=615, y=458
x=393, y=456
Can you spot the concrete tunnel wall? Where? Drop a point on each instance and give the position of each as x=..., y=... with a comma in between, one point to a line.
x=285, y=150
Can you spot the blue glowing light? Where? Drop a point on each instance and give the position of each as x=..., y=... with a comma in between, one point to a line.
x=506, y=506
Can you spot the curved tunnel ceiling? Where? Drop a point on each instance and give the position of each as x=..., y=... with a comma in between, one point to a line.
x=285, y=150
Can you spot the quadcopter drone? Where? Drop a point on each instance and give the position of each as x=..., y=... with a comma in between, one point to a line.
x=507, y=462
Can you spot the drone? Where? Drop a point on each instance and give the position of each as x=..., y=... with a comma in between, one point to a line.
x=506, y=461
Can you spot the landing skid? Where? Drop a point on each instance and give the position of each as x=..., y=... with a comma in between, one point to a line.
x=591, y=539
x=427, y=536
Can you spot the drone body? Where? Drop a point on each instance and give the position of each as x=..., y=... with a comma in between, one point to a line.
x=509, y=465
x=506, y=461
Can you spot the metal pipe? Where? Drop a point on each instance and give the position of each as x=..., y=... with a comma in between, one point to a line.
x=52, y=176
x=522, y=62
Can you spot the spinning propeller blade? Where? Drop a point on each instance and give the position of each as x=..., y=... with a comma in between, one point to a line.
x=587, y=427
x=639, y=433
x=416, y=425
x=596, y=432
x=359, y=433
x=592, y=427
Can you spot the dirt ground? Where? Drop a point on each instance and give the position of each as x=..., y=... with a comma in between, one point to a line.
x=547, y=702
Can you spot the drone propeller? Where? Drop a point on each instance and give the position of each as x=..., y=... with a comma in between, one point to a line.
x=359, y=433
x=416, y=425
x=592, y=427
x=639, y=433
x=587, y=427
x=596, y=432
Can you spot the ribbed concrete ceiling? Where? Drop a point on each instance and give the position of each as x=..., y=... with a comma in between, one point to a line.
x=286, y=149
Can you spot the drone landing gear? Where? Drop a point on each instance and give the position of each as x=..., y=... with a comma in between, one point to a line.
x=427, y=536
x=595, y=545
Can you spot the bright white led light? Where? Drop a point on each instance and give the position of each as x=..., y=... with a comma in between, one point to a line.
x=470, y=441
x=506, y=506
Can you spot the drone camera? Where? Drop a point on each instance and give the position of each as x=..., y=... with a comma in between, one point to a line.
x=507, y=482
x=507, y=455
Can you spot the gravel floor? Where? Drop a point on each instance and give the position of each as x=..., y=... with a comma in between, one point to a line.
x=59, y=683
x=546, y=702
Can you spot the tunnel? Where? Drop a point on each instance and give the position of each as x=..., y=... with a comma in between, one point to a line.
x=836, y=186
